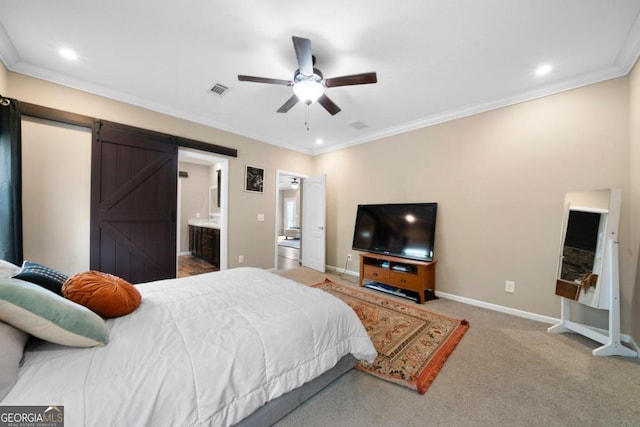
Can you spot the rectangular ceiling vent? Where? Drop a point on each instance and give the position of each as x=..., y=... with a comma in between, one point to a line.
x=358, y=125
x=218, y=89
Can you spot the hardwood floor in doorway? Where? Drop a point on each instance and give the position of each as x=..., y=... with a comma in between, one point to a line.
x=190, y=266
x=288, y=258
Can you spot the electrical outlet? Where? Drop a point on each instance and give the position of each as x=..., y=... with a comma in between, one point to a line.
x=241, y=259
x=348, y=257
x=509, y=286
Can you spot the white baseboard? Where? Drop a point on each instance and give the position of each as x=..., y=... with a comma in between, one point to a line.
x=494, y=307
x=627, y=339
x=527, y=315
x=500, y=308
x=342, y=270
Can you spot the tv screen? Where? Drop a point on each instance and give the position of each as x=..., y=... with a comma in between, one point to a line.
x=405, y=230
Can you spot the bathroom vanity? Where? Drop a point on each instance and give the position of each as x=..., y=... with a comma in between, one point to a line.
x=204, y=241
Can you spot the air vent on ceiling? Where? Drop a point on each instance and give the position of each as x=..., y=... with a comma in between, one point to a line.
x=358, y=125
x=219, y=89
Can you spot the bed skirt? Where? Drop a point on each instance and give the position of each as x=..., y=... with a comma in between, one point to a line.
x=273, y=411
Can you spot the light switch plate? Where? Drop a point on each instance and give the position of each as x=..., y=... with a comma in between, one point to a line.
x=510, y=286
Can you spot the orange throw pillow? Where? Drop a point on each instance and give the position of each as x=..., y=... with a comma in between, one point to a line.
x=103, y=293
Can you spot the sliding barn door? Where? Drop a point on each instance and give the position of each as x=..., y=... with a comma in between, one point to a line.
x=133, y=203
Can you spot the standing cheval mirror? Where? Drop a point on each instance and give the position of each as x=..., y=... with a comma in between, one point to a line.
x=588, y=265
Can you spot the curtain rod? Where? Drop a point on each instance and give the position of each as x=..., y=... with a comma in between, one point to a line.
x=4, y=101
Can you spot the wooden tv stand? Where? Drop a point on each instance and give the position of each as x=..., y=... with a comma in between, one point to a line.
x=420, y=275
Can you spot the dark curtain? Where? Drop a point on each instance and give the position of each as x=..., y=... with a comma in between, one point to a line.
x=10, y=182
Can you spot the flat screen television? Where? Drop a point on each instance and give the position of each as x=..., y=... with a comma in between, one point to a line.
x=405, y=230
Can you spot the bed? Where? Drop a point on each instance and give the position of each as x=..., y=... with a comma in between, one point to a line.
x=241, y=346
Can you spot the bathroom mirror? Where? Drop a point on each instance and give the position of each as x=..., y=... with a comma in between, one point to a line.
x=583, y=252
x=214, y=195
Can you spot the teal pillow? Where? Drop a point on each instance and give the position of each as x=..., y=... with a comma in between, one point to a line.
x=48, y=316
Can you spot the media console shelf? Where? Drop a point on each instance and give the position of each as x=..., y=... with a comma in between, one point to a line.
x=416, y=276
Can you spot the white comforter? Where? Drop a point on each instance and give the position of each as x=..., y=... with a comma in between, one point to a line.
x=202, y=350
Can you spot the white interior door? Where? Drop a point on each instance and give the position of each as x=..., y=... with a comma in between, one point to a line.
x=314, y=205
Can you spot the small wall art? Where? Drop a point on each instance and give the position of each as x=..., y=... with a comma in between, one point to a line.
x=253, y=179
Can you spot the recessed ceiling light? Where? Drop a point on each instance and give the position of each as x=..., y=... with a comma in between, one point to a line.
x=319, y=141
x=543, y=69
x=68, y=54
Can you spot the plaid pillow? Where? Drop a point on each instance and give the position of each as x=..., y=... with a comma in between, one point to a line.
x=43, y=276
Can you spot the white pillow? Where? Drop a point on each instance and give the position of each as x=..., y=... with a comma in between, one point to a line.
x=13, y=341
x=7, y=269
x=49, y=316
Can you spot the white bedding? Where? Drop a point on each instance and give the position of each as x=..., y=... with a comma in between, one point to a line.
x=201, y=350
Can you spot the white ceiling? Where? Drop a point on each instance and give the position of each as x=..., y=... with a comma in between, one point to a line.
x=435, y=60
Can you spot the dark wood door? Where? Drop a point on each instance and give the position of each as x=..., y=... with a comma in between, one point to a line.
x=133, y=203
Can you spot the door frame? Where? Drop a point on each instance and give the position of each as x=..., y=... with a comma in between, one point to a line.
x=280, y=172
x=224, y=204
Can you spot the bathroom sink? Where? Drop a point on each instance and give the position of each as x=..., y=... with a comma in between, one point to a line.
x=203, y=223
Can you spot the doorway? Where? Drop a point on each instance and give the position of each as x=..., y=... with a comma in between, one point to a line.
x=202, y=197
x=288, y=233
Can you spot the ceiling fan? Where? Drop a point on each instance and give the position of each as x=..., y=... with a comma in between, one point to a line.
x=308, y=82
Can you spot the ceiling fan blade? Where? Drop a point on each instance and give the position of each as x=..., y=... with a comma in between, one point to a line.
x=303, y=53
x=287, y=105
x=264, y=80
x=355, y=79
x=328, y=105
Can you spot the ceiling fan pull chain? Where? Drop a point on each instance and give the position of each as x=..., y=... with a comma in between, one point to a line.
x=306, y=116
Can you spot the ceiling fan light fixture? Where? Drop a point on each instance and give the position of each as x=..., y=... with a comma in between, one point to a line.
x=308, y=91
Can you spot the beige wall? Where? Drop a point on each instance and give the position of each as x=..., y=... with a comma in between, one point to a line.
x=499, y=179
x=247, y=236
x=56, y=195
x=634, y=167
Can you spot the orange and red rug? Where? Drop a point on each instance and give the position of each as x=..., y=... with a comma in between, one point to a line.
x=412, y=343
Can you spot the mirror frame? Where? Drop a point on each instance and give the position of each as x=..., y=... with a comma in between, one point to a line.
x=604, y=201
x=609, y=290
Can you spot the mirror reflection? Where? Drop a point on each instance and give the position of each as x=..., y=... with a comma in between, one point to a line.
x=583, y=246
x=582, y=251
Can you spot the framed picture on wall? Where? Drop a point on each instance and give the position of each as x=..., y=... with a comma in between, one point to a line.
x=253, y=179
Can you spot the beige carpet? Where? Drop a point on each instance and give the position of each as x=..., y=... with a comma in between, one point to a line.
x=507, y=371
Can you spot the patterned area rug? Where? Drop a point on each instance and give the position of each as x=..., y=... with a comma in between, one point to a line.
x=412, y=343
